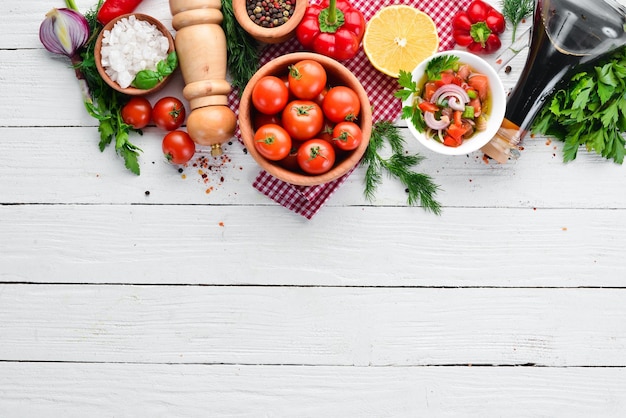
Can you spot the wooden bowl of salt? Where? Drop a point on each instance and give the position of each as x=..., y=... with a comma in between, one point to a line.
x=119, y=37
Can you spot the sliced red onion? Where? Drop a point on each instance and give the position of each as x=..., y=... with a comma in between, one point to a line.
x=448, y=90
x=454, y=103
x=429, y=118
x=64, y=31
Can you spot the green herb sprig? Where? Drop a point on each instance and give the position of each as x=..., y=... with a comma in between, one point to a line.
x=420, y=187
x=105, y=104
x=590, y=110
x=515, y=11
x=242, y=49
x=146, y=79
x=437, y=65
x=410, y=112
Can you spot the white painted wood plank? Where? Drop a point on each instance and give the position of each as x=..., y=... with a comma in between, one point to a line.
x=130, y=390
x=38, y=161
x=341, y=246
x=313, y=326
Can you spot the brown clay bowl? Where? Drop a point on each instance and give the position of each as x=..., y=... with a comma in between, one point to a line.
x=269, y=35
x=337, y=75
x=132, y=91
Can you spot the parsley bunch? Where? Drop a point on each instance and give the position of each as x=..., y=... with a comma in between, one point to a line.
x=590, y=110
x=106, y=103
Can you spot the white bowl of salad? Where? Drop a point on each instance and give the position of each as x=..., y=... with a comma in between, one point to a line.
x=453, y=102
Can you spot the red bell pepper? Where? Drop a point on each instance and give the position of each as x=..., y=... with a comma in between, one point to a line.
x=114, y=8
x=478, y=27
x=333, y=28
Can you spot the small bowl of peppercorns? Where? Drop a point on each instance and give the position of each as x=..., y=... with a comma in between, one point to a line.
x=269, y=21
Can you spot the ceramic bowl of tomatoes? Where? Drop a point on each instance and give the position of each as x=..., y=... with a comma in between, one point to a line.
x=305, y=118
x=458, y=103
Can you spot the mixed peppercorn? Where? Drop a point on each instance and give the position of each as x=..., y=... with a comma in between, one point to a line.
x=270, y=13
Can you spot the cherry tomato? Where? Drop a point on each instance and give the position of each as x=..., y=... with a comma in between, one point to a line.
x=272, y=142
x=326, y=133
x=316, y=156
x=137, y=112
x=168, y=113
x=302, y=119
x=290, y=162
x=259, y=119
x=307, y=79
x=341, y=103
x=178, y=147
x=319, y=99
x=347, y=136
x=270, y=95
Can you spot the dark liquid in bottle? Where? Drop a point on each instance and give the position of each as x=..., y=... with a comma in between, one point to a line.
x=565, y=33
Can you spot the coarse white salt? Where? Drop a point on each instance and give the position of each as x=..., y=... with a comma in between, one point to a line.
x=132, y=45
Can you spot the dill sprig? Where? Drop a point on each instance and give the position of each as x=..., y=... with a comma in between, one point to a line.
x=516, y=10
x=241, y=48
x=420, y=187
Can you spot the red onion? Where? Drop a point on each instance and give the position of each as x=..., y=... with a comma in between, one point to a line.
x=429, y=118
x=64, y=31
x=451, y=90
x=454, y=103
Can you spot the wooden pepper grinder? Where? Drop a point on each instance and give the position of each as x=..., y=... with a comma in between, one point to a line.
x=201, y=48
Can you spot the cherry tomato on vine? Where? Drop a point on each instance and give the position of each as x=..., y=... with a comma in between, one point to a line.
x=307, y=79
x=270, y=95
x=272, y=142
x=137, y=112
x=316, y=156
x=347, y=136
x=302, y=119
x=341, y=103
x=168, y=113
x=178, y=147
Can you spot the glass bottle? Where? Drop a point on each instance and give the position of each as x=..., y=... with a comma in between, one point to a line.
x=565, y=34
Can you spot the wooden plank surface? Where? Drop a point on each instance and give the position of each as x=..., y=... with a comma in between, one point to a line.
x=164, y=390
x=187, y=293
x=337, y=326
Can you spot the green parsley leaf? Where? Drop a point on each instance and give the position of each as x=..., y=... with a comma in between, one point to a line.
x=437, y=65
x=589, y=110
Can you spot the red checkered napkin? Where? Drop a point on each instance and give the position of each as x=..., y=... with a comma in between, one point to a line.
x=308, y=200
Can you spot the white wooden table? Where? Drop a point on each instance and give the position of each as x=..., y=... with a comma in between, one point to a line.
x=174, y=295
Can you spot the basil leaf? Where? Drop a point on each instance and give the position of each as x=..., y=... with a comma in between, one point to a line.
x=146, y=79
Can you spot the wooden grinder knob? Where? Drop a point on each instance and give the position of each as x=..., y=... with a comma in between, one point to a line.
x=201, y=48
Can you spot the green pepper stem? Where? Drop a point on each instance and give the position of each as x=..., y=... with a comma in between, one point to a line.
x=332, y=12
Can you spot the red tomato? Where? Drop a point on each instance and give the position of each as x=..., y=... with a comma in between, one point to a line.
x=307, y=79
x=341, y=103
x=259, y=119
x=178, y=147
x=302, y=119
x=290, y=162
x=326, y=133
x=272, y=142
x=319, y=99
x=270, y=95
x=168, y=113
x=347, y=136
x=137, y=112
x=316, y=156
